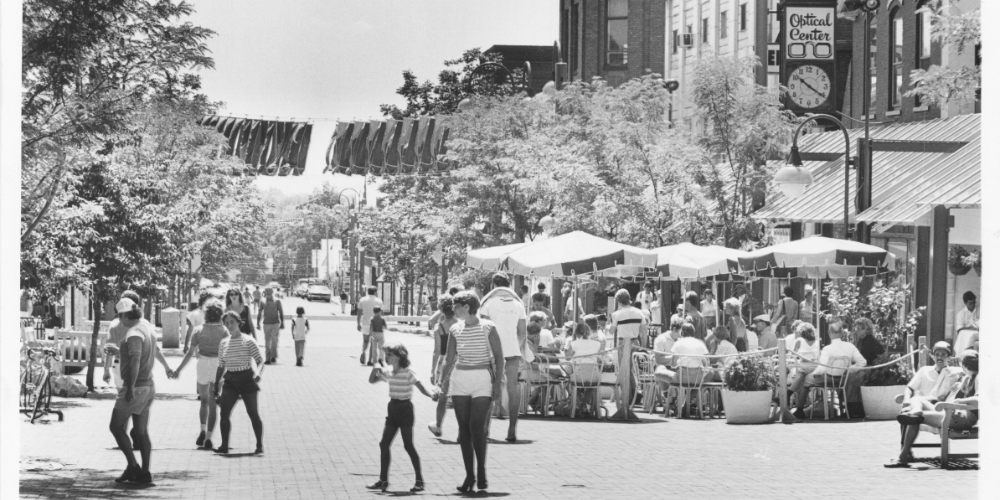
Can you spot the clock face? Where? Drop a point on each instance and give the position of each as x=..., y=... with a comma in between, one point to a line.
x=809, y=86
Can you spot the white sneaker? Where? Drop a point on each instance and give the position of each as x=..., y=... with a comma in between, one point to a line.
x=434, y=429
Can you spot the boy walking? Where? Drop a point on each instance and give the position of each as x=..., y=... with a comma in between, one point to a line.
x=300, y=327
x=378, y=327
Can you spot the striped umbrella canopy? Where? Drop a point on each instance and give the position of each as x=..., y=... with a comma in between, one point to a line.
x=817, y=257
x=576, y=253
x=690, y=261
x=490, y=258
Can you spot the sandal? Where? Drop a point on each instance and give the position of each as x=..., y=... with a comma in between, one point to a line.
x=417, y=487
x=466, y=487
x=379, y=485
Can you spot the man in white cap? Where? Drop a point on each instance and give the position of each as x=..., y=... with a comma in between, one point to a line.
x=136, y=396
x=765, y=337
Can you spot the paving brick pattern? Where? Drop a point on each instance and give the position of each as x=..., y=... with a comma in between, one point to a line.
x=322, y=424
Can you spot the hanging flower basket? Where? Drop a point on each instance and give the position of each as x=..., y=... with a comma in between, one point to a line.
x=957, y=256
x=975, y=261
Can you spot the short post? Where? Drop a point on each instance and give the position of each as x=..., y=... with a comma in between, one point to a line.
x=786, y=416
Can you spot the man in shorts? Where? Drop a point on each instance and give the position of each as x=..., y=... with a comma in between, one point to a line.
x=504, y=308
x=136, y=396
x=366, y=311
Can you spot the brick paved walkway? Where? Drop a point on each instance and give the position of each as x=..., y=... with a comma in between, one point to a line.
x=322, y=424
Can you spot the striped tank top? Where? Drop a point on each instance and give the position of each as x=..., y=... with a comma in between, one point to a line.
x=470, y=344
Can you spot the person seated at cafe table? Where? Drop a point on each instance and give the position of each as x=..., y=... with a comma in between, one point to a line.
x=545, y=338
x=836, y=348
x=765, y=337
x=681, y=353
x=538, y=305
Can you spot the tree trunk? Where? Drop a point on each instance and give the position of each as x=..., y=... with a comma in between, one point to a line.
x=92, y=359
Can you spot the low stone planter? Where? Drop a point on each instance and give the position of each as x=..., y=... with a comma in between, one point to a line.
x=880, y=402
x=747, y=407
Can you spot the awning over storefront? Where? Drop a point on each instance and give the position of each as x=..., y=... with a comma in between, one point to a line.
x=389, y=147
x=905, y=184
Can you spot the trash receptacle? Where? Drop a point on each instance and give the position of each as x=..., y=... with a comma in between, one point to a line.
x=171, y=319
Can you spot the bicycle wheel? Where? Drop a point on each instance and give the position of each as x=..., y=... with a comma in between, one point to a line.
x=43, y=395
x=28, y=393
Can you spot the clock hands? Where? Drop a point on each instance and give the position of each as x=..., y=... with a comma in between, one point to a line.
x=818, y=93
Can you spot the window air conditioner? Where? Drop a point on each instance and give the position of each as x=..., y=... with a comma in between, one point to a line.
x=687, y=40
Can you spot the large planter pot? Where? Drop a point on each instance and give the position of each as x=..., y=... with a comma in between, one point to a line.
x=747, y=407
x=880, y=402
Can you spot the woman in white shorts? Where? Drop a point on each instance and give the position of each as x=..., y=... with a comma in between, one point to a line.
x=205, y=342
x=471, y=374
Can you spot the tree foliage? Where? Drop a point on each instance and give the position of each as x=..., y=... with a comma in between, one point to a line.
x=745, y=127
x=956, y=30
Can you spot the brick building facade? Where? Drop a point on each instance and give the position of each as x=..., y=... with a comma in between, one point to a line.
x=616, y=40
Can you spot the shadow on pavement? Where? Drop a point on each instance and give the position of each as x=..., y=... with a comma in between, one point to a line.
x=92, y=483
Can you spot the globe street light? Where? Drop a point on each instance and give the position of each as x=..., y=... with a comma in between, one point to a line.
x=793, y=179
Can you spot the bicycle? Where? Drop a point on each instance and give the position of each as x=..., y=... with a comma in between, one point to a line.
x=36, y=384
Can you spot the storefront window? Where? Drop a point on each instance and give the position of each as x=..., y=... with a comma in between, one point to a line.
x=617, y=34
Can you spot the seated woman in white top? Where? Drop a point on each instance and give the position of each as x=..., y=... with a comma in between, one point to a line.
x=581, y=345
x=807, y=346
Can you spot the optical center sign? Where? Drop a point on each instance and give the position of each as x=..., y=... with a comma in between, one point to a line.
x=808, y=55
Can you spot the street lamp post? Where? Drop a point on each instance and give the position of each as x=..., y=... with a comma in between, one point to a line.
x=793, y=179
x=671, y=85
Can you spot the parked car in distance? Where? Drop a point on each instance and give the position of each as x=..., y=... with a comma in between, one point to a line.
x=302, y=290
x=318, y=292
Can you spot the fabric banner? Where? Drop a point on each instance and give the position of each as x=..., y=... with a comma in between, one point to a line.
x=389, y=147
x=267, y=147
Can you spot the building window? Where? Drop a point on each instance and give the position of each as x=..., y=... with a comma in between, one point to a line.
x=923, y=43
x=617, y=34
x=743, y=17
x=704, y=30
x=724, y=24
x=872, y=67
x=677, y=40
x=896, y=70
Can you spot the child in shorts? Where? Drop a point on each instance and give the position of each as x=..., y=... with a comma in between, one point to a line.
x=300, y=327
x=378, y=327
x=400, y=411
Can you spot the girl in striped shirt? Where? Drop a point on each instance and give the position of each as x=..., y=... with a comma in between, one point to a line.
x=238, y=354
x=400, y=411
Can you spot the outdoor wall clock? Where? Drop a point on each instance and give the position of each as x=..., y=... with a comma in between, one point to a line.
x=807, y=55
x=809, y=86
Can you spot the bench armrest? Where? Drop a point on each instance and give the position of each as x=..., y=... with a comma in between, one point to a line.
x=955, y=406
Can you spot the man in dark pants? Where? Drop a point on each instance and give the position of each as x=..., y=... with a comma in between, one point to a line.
x=136, y=396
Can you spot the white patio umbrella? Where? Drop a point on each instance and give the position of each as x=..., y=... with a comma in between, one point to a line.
x=491, y=258
x=817, y=257
x=574, y=254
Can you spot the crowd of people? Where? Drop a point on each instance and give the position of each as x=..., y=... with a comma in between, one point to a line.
x=482, y=347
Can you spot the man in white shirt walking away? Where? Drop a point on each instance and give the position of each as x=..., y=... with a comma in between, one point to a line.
x=837, y=348
x=505, y=309
x=629, y=327
x=366, y=310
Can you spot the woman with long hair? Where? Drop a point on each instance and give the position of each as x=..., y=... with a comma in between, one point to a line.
x=237, y=356
x=442, y=334
x=205, y=343
x=472, y=374
x=235, y=303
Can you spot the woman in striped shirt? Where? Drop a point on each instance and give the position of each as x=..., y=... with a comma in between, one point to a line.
x=400, y=411
x=237, y=356
x=471, y=373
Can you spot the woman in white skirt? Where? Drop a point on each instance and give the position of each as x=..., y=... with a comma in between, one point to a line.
x=205, y=342
x=472, y=375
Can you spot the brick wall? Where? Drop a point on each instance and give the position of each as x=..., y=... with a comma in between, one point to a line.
x=646, y=39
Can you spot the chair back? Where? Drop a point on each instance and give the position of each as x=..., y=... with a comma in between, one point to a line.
x=643, y=367
x=586, y=374
x=691, y=378
x=839, y=373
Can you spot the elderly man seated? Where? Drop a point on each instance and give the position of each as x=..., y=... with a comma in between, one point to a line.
x=662, y=346
x=837, y=348
x=765, y=337
x=920, y=410
x=682, y=350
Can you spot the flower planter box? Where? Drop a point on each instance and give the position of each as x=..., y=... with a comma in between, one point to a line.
x=747, y=407
x=880, y=402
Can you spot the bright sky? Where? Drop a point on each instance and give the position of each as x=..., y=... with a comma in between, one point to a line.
x=342, y=59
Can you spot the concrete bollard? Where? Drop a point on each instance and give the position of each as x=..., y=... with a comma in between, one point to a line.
x=171, y=320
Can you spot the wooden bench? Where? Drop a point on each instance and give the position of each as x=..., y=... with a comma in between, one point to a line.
x=75, y=347
x=88, y=326
x=946, y=436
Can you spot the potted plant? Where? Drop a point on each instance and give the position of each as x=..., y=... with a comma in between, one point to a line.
x=957, y=255
x=749, y=383
x=882, y=385
x=975, y=261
